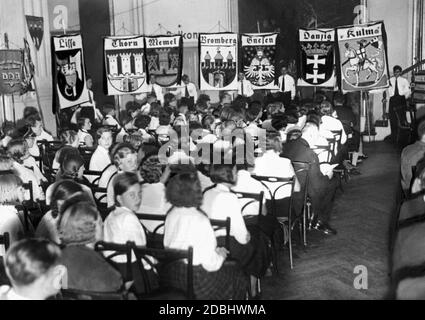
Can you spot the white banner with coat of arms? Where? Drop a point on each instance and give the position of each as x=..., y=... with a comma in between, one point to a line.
x=316, y=58
x=363, y=57
x=125, y=65
x=69, y=70
x=218, y=61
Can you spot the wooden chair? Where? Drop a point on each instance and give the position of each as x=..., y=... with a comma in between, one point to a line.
x=254, y=198
x=111, y=250
x=302, y=170
x=153, y=238
x=99, y=195
x=86, y=153
x=95, y=174
x=283, y=182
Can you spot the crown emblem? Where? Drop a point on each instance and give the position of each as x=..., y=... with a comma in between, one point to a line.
x=316, y=49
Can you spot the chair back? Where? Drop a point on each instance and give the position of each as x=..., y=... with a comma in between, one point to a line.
x=252, y=199
x=408, y=251
x=338, y=137
x=283, y=182
x=112, y=250
x=165, y=256
x=95, y=175
x=153, y=238
x=223, y=224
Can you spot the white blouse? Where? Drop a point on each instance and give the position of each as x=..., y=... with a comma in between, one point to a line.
x=185, y=227
x=219, y=204
x=122, y=225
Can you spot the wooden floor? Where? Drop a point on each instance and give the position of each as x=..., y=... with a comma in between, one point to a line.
x=362, y=217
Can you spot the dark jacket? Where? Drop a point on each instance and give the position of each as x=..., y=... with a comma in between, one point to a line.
x=89, y=271
x=299, y=150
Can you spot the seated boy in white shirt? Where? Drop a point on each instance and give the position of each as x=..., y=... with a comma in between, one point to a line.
x=100, y=158
x=32, y=266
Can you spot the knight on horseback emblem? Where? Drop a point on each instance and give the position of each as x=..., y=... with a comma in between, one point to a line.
x=359, y=61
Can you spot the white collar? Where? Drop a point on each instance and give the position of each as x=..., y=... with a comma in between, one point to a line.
x=222, y=187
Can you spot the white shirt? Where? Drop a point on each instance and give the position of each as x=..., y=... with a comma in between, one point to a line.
x=331, y=124
x=10, y=222
x=248, y=184
x=219, y=204
x=158, y=93
x=26, y=176
x=8, y=293
x=289, y=85
x=403, y=87
x=247, y=88
x=271, y=165
x=153, y=202
x=100, y=159
x=191, y=88
x=122, y=225
x=82, y=135
x=187, y=227
x=44, y=136
x=35, y=150
x=31, y=163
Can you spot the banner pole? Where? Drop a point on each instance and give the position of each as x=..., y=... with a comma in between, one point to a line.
x=4, y=108
x=13, y=108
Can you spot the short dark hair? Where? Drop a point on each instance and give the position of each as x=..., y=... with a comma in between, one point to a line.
x=397, y=68
x=222, y=173
x=29, y=259
x=81, y=122
x=253, y=111
x=142, y=121
x=164, y=118
x=123, y=181
x=32, y=119
x=188, y=182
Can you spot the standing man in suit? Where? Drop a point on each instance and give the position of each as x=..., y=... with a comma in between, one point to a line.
x=188, y=91
x=399, y=91
x=244, y=86
x=286, y=87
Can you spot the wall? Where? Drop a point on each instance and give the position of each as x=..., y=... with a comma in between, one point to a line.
x=188, y=17
x=13, y=22
x=397, y=16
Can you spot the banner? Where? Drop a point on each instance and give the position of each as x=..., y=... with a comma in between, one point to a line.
x=363, y=57
x=218, y=58
x=28, y=69
x=316, y=58
x=125, y=65
x=69, y=74
x=164, y=59
x=11, y=67
x=36, y=29
x=258, y=54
